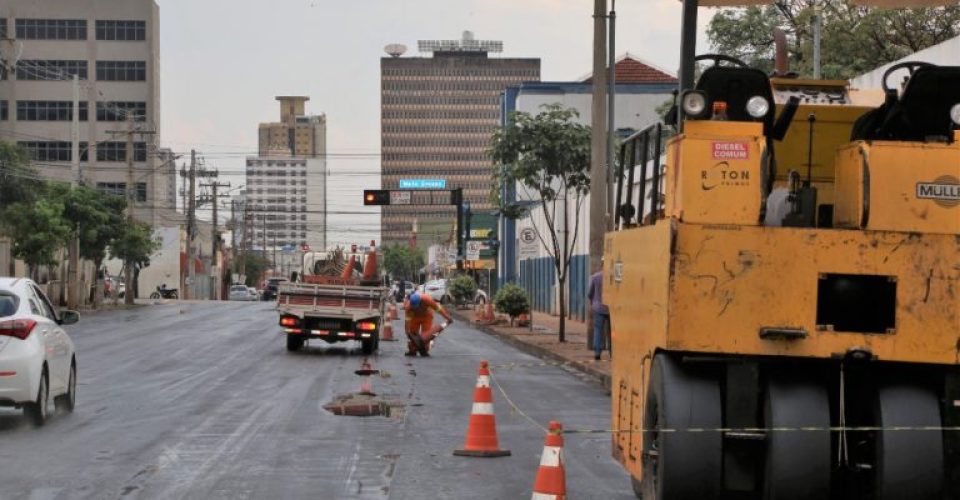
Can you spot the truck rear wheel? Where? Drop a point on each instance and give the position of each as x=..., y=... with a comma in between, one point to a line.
x=368, y=346
x=294, y=343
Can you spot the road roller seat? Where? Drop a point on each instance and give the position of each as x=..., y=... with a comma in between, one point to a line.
x=922, y=111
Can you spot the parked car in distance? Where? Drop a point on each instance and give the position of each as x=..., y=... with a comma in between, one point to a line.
x=37, y=361
x=239, y=292
x=254, y=294
x=436, y=289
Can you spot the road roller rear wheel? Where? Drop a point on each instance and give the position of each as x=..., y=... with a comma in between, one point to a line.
x=910, y=463
x=797, y=462
x=681, y=465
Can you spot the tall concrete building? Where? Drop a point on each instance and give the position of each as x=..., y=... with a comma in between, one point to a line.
x=437, y=117
x=113, y=48
x=286, y=188
x=296, y=134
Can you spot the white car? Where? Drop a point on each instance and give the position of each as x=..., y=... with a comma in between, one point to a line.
x=436, y=289
x=254, y=294
x=240, y=292
x=37, y=359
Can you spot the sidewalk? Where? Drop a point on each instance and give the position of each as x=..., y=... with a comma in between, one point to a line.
x=542, y=342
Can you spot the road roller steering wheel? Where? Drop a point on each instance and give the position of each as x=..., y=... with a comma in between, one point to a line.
x=911, y=67
x=718, y=58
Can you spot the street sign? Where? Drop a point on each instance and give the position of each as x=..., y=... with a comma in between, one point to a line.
x=473, y=250
x=400, y=197
x=423, y=183
x=529, y=244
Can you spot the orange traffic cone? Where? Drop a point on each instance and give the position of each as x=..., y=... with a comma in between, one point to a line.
x=489, y=316
x=478, y=313
x=392, y=311
x=386, y=332
x=551, y=482
x=482, y=431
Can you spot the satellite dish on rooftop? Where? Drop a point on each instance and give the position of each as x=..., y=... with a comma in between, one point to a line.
x=395, y=49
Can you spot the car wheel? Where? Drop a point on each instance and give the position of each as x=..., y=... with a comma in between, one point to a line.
x=68, y=401
x=367, y=346
x=294, y=343
x=37, y=411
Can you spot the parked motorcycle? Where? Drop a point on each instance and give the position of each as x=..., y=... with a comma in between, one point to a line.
x=165, y=293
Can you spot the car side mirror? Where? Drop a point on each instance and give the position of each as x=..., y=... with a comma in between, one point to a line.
x=69, y=317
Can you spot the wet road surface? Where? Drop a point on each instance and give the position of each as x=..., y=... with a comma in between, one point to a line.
x=202, y=400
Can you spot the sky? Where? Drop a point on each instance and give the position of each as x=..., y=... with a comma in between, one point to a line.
x=224, y=61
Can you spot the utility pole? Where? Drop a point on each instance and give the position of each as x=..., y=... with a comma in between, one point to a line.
x=215, y=235
x=246, y=240
x=611, y=94
x=598, y=143
x=191, y=223
x=73, y=249
x=131, y=200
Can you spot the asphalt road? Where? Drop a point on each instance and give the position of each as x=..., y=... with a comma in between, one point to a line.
x=202, y=400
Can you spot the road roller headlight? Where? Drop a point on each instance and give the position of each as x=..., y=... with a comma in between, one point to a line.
x=758, y=106
x=955, y=113
x=694, y=103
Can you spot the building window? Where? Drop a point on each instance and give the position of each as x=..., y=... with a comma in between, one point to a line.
x=49, y=111
x=122, y=30
x=3, y=110
x=120, y=189
x=52, y=29
x=122, y=71
x=117, y=111
x=51, y=150
x=51, y=69
x=117, y=151
x=3, y=27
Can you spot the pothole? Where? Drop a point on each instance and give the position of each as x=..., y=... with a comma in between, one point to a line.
x=366, y=404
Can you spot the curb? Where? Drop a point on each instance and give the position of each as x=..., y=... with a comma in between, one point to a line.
x=598, y=376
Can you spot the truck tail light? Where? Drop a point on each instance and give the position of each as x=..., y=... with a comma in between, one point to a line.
x=289, y=321
x=367, y=326
x=19, y=328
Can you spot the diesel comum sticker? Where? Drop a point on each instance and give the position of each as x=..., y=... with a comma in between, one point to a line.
x=944, y=191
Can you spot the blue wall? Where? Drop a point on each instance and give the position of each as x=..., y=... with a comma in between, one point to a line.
x=537, y=277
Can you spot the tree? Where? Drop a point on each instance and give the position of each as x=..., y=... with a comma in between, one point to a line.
x=18, y=180
x=512, y=301
x=254, y=266
x=854, y=39
x=463, y=288
x=38, y=230
x=403, y=261
x=134, y=244
x=96, y=219
x=548, y=157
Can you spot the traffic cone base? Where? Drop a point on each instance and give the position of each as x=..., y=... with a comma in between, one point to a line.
x=481, y=440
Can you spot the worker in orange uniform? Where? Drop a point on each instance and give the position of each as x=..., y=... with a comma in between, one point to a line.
x=419, y=321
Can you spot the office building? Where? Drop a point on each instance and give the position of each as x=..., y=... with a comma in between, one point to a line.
x=113, y=48
x=296, y=134
x=438, y=112
x=286, y=187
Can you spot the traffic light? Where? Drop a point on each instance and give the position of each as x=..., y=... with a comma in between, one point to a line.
x=376, y=196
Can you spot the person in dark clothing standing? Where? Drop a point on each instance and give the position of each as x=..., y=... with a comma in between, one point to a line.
x=601, y=314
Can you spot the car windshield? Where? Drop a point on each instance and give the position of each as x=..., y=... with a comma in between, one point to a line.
x=238, y=289
x=9, y=303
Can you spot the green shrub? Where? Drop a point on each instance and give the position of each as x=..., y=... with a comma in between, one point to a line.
x=512, y=300
x=462, y=288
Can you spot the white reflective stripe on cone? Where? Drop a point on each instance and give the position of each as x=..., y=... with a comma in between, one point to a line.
x=543, y=496
x=483, y=381
x=482, y=409
x=552, y=456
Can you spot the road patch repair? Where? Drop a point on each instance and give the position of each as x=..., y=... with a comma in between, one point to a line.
x=365, y=402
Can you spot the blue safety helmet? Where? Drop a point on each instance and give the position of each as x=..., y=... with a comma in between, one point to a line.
x=415, y=300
